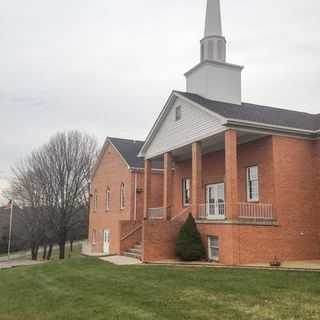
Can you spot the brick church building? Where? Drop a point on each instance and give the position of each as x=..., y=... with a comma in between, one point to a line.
x=249, y=174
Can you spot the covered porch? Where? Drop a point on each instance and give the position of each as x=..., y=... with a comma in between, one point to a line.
x=217, y=191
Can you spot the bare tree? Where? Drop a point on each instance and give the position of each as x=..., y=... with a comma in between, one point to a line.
x=53, y=183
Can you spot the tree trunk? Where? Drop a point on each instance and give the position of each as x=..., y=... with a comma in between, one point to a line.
x=44, y=252
x=50, y=251
x=62, y=249
x=71, y=245
x=37, y=251
x=34, y=253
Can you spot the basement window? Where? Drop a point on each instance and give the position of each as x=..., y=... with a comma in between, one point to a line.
x=213, y=248
x=178, y=113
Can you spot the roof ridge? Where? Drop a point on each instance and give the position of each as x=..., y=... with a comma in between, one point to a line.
x=125, y=139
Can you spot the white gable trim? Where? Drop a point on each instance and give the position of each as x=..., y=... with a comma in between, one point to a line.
x=174, y=95
x=221, y=129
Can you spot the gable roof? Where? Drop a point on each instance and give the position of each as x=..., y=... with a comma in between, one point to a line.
x=258, y=114
x=128, y=150
x=246, y=115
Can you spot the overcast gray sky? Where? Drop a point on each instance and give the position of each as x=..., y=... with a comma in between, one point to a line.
x=107, y=66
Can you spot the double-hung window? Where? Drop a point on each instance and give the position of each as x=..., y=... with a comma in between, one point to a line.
x=253, y=184
x=186, y=192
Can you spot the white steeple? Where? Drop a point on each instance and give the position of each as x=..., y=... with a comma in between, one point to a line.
x=213, y=78
x=213, y=45
x=213, y=19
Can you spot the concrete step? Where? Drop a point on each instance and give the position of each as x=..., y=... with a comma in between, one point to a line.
x=132, y=255
x=135, y=250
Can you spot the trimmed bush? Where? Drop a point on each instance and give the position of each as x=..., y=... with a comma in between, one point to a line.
x=189, y=246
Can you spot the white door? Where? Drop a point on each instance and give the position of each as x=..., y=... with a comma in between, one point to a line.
x=215, y=201
x=106, y=241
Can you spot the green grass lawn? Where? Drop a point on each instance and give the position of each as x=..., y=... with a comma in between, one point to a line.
x=86, y=288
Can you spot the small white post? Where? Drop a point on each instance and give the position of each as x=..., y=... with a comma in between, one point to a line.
x=10, y=230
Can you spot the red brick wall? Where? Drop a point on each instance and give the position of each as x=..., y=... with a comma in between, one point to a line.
x=159, y=239
x=259, y=152
x=113, y=171
x=317, y=181
x=289, y=178
x=130, y=234
x=295, y=188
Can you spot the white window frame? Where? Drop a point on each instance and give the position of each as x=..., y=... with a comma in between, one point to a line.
x=178, y=113
x=184, y=200
x=122, y=197
x=108, y=199
x=217, y=258
x=252, y=197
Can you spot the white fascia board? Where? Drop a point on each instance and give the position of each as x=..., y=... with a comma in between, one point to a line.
x=156, y=125
x=178, y=146
x=270, y=127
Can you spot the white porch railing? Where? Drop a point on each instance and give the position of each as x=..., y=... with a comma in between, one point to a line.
x=211, y=211
x=256, y=211
x=157, y=213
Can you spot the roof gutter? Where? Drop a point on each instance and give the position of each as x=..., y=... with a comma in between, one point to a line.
x=274, y=128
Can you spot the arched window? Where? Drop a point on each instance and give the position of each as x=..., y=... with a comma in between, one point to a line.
x=96, y=200
x=108, y=199
x=122, y=196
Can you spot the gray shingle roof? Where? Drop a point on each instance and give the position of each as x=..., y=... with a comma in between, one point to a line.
x=129, y=149
x=258, y=113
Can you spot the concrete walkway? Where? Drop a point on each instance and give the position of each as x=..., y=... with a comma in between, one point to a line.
x=121, y=260
x=306, y=265
x=18, y=263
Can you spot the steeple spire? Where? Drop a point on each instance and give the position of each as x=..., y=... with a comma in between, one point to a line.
x=213, y=19
x=213, y=45
x=213, y=78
